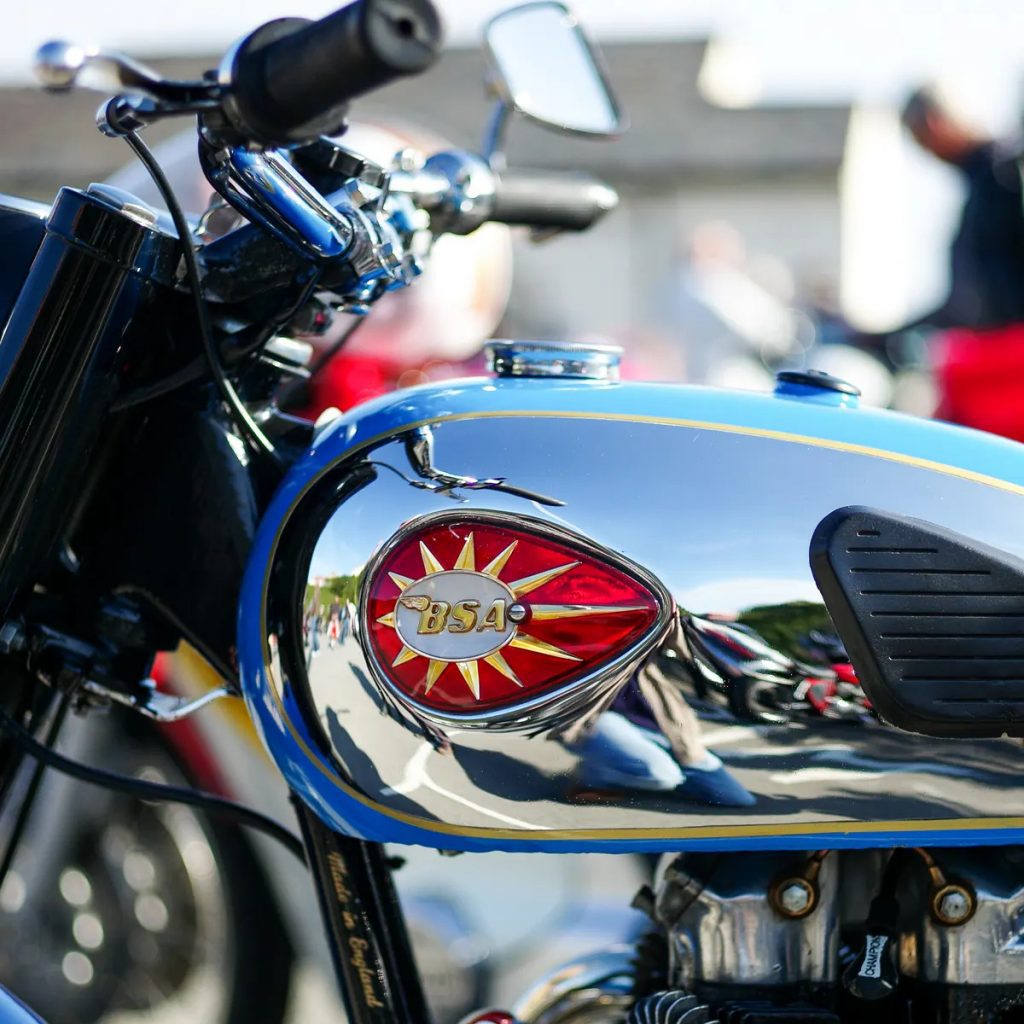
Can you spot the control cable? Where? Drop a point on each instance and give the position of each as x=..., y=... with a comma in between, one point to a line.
x=154, y=791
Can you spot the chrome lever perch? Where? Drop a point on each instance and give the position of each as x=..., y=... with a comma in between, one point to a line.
x=266, y=189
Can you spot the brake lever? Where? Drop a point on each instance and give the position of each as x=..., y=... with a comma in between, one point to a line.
x=143, y=95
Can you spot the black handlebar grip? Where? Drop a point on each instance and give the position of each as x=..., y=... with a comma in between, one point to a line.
x=549, y=199
x=291, y=78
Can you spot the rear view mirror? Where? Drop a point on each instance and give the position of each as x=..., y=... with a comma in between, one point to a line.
x=544, y=68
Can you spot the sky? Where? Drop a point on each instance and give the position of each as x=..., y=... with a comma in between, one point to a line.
x=868, y=50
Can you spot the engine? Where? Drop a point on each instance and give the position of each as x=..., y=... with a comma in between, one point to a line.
x=828, y=937
x=892, y=937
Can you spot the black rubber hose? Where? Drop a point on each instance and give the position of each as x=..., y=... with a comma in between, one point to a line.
x=28, y=800
x=291, y=79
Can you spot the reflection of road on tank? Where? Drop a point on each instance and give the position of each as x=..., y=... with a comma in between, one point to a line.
x=807, y=771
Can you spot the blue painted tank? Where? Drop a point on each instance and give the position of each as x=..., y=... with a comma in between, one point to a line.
x=673, y=681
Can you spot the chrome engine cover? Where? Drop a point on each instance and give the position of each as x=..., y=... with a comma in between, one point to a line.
x=723, y=929
x=988, y=949
x=712, y=499
x=727, y=934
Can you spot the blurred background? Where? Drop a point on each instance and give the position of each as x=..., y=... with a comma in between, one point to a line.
x=772, y=205
x=764, y=138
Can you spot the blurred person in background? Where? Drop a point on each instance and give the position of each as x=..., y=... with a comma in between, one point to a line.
x=978, y=347
x=729, y=326
x=987, y=253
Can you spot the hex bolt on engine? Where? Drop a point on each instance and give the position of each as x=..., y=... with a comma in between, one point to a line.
x=953, y=904
x=795, y=896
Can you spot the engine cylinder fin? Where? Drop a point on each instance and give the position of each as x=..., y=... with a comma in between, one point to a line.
x=673, y=1006
x=766, y=1013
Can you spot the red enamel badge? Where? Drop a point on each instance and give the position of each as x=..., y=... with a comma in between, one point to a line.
x=481, y=613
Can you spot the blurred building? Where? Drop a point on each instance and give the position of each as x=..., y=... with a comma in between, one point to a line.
x=772, y=172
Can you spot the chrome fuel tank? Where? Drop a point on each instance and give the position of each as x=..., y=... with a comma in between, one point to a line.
x=579, y=616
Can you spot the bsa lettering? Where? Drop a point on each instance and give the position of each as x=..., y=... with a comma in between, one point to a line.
x=494, y=619
x=457, y=617
x=464, y=614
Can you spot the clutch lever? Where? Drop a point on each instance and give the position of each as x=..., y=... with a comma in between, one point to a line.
x=59, y=65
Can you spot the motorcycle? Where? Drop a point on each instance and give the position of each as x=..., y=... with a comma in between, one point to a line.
x=521, y=548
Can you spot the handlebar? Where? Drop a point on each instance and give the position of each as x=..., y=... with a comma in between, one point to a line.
x=291, y=79
x=287, y=85
x=547, y=199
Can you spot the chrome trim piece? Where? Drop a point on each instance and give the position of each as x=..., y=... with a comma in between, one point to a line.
x=279, y=191
x=553, y=359
x=596, y=989
x=28, y=206
x=161, y=707
x=459, y=192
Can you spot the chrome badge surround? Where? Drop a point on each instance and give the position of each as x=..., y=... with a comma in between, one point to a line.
x=547, y=709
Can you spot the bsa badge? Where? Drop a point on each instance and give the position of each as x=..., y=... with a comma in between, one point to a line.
x=474, y=615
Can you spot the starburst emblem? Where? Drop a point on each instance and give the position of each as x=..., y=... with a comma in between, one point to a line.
x=463, y=616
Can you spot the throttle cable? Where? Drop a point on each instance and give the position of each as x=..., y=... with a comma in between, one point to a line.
x=249, y=427
x=143, y=789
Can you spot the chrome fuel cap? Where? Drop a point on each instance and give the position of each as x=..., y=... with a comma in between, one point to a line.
x=553, y=359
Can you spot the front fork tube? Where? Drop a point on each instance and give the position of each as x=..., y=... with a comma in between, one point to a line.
x=369, y=942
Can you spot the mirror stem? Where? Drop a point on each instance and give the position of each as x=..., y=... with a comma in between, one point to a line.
x=493, y=149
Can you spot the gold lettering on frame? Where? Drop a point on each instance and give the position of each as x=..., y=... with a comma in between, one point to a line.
x=463, y=616
x=367, y=975
x=357, y=946
x=495, y=617
x=337, y=868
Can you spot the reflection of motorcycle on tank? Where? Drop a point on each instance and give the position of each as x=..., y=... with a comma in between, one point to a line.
x=826, y=648
x=761, y=683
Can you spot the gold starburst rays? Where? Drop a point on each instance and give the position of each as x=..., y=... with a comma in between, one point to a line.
x=469, y=669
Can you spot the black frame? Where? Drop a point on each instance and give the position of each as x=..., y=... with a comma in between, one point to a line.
x=369, y=941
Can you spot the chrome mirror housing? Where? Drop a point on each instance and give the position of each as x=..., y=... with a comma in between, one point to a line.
x=543, y=67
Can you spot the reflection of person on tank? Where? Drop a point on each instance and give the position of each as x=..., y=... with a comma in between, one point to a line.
x=648, y=738
x=314, y=634
x=311, y=629
x=334, y=624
